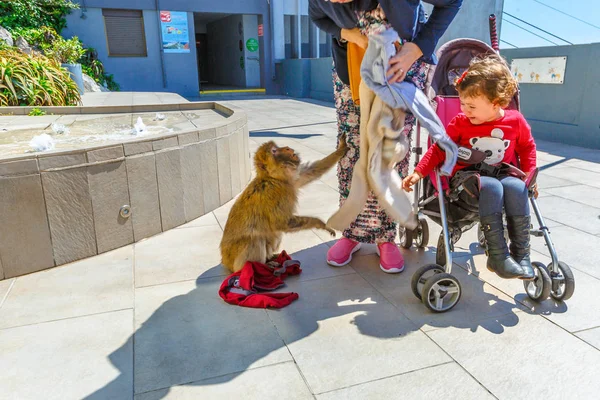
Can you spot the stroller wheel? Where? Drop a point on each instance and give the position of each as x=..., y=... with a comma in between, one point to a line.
x=441, y=292
x=421, y=275
x=421, y=234
x=539, y=288
x=563, y=282
x=406, y=237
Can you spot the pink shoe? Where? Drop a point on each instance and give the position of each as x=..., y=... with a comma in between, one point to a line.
x=340, y=253
x=390, y=258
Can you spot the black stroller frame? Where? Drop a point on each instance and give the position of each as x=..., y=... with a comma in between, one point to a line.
x=434, y=284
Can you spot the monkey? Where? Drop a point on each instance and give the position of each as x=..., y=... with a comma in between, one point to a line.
x=266, y=208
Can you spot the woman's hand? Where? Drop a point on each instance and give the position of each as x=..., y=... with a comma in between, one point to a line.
x=354, y=36
x=410, y=181
x=402, y=61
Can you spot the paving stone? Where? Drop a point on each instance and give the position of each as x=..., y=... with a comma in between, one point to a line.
x=69, y=359
x=478, y=303
x=143, y=192
x=578, y=176
x=192, y=177
x=574, y=214
x=109, y=191
x=451, y=382
x=591, y=336
x=24, y=226
x=5, y=286
x=585, y=194
x=208, y=219
x=95, y=285
x=270, y=382
x=70, y=214
x=513, y=358
x=342, y=332
x=576, y=248
x=184, y=333
x=178, y=255
x=170, y=188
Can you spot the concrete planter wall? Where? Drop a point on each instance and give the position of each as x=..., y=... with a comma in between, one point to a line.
x=64, y=206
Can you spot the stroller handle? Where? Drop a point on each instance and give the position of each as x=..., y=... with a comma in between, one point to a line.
x=494, y=33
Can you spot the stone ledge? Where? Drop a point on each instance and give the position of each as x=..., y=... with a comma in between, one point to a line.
x=167, y=179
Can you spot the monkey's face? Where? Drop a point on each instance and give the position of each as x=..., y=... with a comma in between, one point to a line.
x=285, y=156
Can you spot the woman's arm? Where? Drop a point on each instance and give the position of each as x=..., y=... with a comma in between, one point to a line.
x=322, y=21
x=424, y=43
x=442, y=15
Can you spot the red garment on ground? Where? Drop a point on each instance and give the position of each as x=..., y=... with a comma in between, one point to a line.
x=507, y=139
x=242, y=287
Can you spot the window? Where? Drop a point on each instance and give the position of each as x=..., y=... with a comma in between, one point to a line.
x=125, y=35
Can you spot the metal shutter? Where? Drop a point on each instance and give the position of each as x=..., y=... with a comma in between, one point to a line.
x=125, y=33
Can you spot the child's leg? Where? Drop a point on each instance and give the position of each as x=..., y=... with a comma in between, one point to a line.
x=516, y=204
x=491, y=201
x=491, y=196
x=516, y=200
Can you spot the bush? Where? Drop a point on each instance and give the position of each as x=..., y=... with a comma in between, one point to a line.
x=35, y=13
x=66, y=51
x=34, y=81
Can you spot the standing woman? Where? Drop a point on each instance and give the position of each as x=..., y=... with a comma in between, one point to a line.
x=352, y=21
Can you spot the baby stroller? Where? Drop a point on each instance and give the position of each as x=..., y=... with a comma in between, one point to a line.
x=434, y=283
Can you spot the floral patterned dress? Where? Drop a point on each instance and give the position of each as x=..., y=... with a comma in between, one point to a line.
x=372, y=225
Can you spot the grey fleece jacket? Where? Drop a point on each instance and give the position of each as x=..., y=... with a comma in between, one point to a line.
x=403, y=95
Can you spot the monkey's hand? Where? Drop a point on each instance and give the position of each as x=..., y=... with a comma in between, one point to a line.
x=342, y=144
x=331, y=231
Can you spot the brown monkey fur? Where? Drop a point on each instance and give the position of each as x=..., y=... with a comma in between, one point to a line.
x=265, y=209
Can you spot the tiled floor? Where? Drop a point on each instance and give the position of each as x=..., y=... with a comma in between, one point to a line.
x=145, y=321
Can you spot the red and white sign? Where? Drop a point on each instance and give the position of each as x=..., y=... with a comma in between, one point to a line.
x=165, y=16
x=260, y=30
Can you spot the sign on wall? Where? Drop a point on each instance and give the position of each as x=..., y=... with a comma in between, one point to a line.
x=174, y=30
x=539, y=70
x=252, y=44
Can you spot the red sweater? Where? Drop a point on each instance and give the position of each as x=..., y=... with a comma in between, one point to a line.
x=507, y=139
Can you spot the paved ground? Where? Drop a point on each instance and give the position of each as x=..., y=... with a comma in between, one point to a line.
x=145, y=321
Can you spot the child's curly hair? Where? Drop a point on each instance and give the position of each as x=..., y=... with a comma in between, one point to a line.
x=489, y=76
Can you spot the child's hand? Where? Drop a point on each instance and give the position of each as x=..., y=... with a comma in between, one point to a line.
x=410, y=181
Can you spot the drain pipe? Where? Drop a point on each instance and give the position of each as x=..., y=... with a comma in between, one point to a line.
x=160, y=47
x=272, y=37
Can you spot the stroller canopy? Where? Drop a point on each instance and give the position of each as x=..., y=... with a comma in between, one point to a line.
x=453, y=59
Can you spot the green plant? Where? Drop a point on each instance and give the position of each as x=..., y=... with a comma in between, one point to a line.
x=36, y=112
x=92, y=66
x=66, y=51
x=35, y=13
x=41, y=38
x=34, y=81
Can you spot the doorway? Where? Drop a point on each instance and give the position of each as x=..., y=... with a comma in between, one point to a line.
x=230, y=54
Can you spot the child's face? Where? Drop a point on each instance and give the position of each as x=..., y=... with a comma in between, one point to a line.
x=479, y=109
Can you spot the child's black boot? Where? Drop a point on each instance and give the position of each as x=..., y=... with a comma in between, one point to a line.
x=499, y=259
x=518, y=233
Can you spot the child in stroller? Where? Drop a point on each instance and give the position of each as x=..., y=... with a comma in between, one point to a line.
x=457, y=207
x=485, y=89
